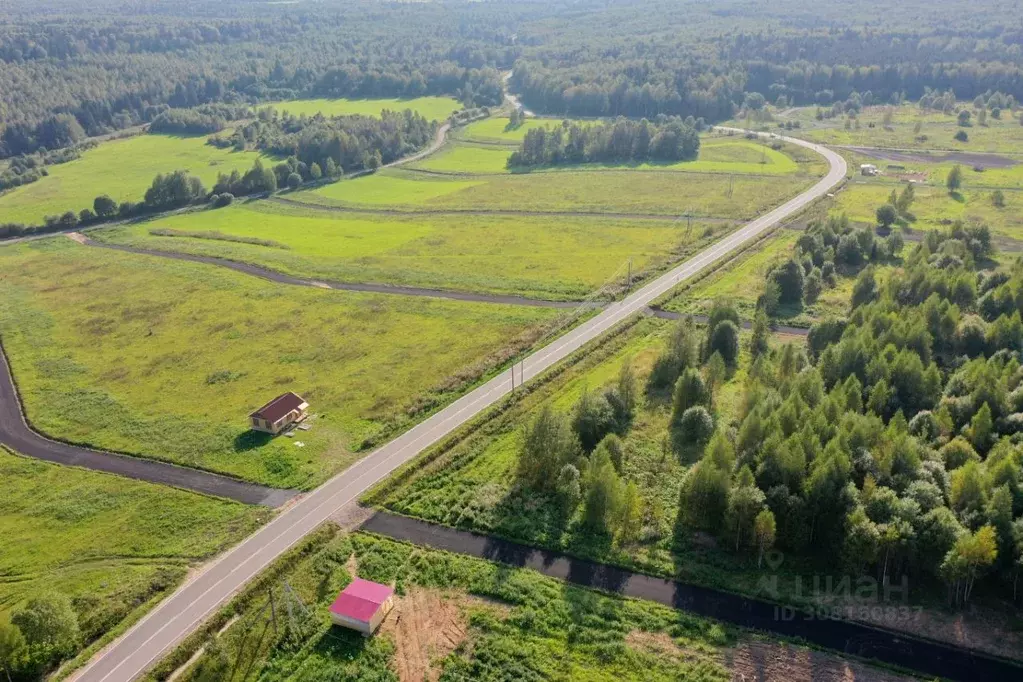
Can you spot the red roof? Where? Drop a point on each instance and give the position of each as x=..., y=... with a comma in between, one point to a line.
x=361, y=599
x=279, y=406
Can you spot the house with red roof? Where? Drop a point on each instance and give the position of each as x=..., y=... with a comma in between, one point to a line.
x=279, y=413
x=362, y=606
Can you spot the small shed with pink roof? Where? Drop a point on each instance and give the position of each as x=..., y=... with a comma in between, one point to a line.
x=362, y=606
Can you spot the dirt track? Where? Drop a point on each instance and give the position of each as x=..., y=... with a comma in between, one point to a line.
x=281, y=278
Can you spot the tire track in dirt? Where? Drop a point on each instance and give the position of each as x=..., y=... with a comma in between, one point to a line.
x=364, y=287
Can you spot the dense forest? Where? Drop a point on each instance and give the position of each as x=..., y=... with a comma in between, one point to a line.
x=68, y=75
x=349, y=143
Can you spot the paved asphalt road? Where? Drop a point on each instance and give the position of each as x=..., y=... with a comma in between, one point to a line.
x=185, y=610
x=858, y=639
x=15, y=434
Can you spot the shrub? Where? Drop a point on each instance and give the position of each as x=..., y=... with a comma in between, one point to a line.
x=222, y=200
x=695, y=428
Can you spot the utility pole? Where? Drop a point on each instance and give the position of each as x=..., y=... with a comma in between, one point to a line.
x=273, y=609
x=628, y=286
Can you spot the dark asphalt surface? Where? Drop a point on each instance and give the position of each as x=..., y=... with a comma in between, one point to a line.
x=281, y=278
x=15, y=434
x=893, y=648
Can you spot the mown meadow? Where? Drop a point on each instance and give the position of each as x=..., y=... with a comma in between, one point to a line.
x=122, y=169
x=563, y=257
x=166, y=359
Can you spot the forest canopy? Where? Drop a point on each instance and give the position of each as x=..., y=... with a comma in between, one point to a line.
x=68, y=74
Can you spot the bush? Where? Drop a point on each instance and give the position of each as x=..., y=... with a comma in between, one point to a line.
x=690, y=391
x=294, y=181
x=961, y=136
x=593, y=419
x=724, y=339
x=50, y=628
x=222, y=200
x=694, y=428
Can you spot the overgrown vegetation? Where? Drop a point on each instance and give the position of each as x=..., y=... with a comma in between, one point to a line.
x=517, y=624
x=889, y=447
x=85, y=551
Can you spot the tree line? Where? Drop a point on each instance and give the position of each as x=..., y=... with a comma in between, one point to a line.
x=621, y=141
x=201, y=120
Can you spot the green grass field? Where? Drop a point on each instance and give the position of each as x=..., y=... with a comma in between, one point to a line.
x=459, y=618
x=524, y=255
x=657, y=193
x=1004, y=135
x=935, y=208
x=124, y=169
x=108, y=543
x=495, y=130
x=432, y=108
x=166, y=359
x=717, y=155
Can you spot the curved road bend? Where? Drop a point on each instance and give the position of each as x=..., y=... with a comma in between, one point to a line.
x=185, y=610
x=281, y=278
x=17, y=435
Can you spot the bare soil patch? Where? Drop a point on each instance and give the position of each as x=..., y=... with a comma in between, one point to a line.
x=777, y=662
x=967, y=158
x=426, y=626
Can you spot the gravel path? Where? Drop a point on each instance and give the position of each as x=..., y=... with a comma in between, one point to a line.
x=851, y=638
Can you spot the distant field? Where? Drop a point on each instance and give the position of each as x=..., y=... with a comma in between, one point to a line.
x=935, y=208
x=1004, y=135
x=547, y=257
x=432, y=108
x=166, y=359
x=717, y=155
x=124, y=169
x=664, y=193
x=496, y=130
x=467, y=159
x=108, y=543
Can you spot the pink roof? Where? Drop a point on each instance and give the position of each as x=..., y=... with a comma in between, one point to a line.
x=361, y=599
